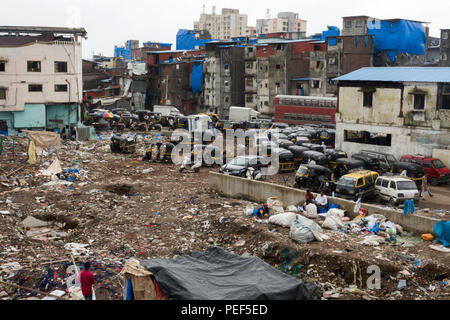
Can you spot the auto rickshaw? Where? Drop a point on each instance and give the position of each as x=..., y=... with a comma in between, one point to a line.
x=313, y=147
x=318, y=157
x=209, y=154
x=414, y=172
x=328, y=136
x=344, y=166
x=333, y=155
x=123, y=144
x=285, y=143
x=165, y=148
x=300, y=140
x=286, y=160
x=298, y=153
x=315, y=177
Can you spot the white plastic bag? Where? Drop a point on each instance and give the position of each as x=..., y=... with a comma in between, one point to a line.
x=275, y=206
x=311, y=211
x=333, y=219
x=249, y=211
x=283, y=219
x=301, y=233
x=373, y=241
x=311, y=225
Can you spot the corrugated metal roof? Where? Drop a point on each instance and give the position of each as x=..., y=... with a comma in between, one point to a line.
x=399, y=74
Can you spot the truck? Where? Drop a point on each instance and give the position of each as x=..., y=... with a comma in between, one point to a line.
x=243, y=114
x=166, y=111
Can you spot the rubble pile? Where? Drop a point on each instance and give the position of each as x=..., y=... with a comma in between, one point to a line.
x=82, y=203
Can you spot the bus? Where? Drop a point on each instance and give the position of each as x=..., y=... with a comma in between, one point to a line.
x=299, y=110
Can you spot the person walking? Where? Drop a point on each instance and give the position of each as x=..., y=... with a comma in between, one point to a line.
x=87, y=281
x=425, y=188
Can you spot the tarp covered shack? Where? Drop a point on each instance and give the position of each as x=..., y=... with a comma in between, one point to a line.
x=213, y=275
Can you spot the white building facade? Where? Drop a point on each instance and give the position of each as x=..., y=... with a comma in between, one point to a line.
x=40, y=77
x=230, y=24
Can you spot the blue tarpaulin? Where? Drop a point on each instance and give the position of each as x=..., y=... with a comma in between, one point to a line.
x=197, y=77
x=186, y=40
x=399, y=37
x=442, y=230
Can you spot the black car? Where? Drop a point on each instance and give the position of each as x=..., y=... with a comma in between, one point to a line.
x=238, y=166
x=370, y=163
x=414, y=172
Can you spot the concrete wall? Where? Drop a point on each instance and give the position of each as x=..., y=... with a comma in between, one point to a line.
x=405, y=140
x=442, y=154
x=260, y=191
x=385, y=109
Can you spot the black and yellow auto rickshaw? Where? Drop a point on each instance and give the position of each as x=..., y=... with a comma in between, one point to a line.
x=164, y=152
x=314, y=177
x=344, y=166
x=286, y=162
x=123, y=144
x=209, y=154
x=334, y=155
x=328, y=136
x=414, y=172
x=318, y=157
x=313, y=147
x=298, y=154
x=285, y=143
x=300, y=140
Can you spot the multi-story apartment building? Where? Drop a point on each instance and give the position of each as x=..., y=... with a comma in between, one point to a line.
x=230, y=24
x=40, y=77
x=444, y=58
x=224, y=81
x=286, y=22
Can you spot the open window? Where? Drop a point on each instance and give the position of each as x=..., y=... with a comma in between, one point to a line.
x=2, y=66
x=34, y=66
x=368, y=99
x=60, y=66
x=35, y=88
x=60, y=87
x=2, y=93
x=419, y=101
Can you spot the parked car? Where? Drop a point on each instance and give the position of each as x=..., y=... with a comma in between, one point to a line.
x=345, y=166
x=437, y=172
x=238, y=166
x=396, y=190
x=414, y=172
x=371, y=163
x=360, y=184
x=387, y=160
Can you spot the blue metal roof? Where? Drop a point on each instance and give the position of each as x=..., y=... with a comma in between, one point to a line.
x=398, y=74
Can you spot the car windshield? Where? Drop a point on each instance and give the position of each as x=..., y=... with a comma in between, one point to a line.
x=438, y=164
x=303, y=171
x=240, y=161
x=406, y=185
x=347, y=182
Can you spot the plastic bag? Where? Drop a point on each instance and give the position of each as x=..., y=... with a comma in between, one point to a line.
x=311, y=225
x=301, y=233
x=283, y=219
x=275, y=206
x=249, y=211
x=311, y=211
x=333, y=219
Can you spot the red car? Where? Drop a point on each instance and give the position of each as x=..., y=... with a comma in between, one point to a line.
x=438, y=173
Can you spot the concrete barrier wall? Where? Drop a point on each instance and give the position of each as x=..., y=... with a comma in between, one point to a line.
x=258, y=191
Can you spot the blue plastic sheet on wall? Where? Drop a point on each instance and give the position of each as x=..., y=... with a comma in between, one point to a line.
x=399, y=37
x=197, y=78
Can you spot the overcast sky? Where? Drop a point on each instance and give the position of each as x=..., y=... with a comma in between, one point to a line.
x=112, y=22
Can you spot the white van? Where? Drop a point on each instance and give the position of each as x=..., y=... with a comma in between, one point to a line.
x=396, y=190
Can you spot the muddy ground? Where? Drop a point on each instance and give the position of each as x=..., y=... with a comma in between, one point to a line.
x=120, y=212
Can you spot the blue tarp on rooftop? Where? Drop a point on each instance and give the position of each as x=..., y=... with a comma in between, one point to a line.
x=400, y=37
x=186, y=40
x=197, y=77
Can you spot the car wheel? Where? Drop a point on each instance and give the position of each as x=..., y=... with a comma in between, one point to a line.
x=433, y=181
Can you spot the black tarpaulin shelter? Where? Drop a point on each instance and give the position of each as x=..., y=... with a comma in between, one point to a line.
x=220, y=275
